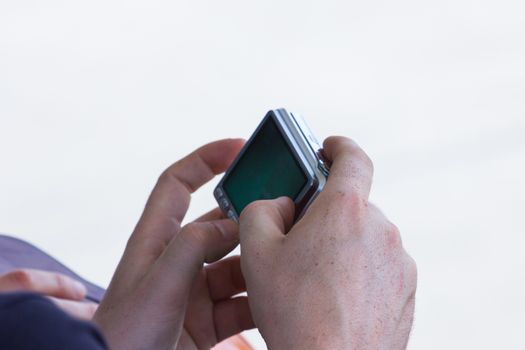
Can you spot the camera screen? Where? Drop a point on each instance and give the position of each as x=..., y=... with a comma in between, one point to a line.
x=268, y=169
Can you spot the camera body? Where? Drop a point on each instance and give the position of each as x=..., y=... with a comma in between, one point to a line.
x=281, y=158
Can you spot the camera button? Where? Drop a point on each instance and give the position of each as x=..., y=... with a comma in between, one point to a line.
x=323, y=168
x=218, y=192
x=224, y=203
x=231, y=215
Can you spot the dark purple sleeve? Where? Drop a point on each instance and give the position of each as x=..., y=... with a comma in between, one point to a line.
x=29, y=321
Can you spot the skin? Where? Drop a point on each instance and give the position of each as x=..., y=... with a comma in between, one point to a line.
x=162, y=296
x=65, y=292
x=337, y=279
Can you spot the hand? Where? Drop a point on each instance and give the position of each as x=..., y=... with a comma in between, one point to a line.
x=161, y=296
x=65, y=292
x=339, y=278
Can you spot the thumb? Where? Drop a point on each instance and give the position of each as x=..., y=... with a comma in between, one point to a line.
x=264, y=223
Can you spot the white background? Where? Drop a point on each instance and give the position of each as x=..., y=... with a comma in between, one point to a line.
x=98, y=97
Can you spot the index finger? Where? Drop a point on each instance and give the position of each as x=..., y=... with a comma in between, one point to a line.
x=351, y=170
x=169, y=200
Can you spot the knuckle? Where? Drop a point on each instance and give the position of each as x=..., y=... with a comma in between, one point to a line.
x=363, y=161
x=411, y=272
x=363, y=164
x=193, y=237
x=348, y=208
x=61, y=282
x=349, y=199
x=376, y=213
x=192, y=234
x=171, y=175
x=253, y=208
x=392, y=234
x=367, y=161
x=165, y=176
x=21, y=278
x=193, y=228
x=168, y=175
x=257, y=208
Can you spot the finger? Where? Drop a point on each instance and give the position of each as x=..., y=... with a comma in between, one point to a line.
x=264, y=223
x=351, y=170
x=232, y=317
x=78, y=309
x=44, y=282
x=197, y=243
x=214, y=214
x=225, y=278
x=170, y=198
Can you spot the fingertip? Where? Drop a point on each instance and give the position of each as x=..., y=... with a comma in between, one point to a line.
x=250, y=211
x=284, y=201
x=234, y=144
x=67, y=287
x=238, y=140
x=261, y=214
x=332, y=144
x=254, y=210
x=330, y=141
x=79, y=290
x=93, y=308
x=78, y=309
x=219, y=154
x=350, y=168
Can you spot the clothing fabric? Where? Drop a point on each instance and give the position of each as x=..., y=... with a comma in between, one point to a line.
x=17, y=254
x=31, y=322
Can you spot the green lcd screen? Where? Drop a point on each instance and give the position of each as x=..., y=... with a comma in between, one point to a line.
x=267, y=169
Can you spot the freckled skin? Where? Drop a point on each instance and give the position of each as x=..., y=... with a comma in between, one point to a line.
x=337, y=279
x=162, y=295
